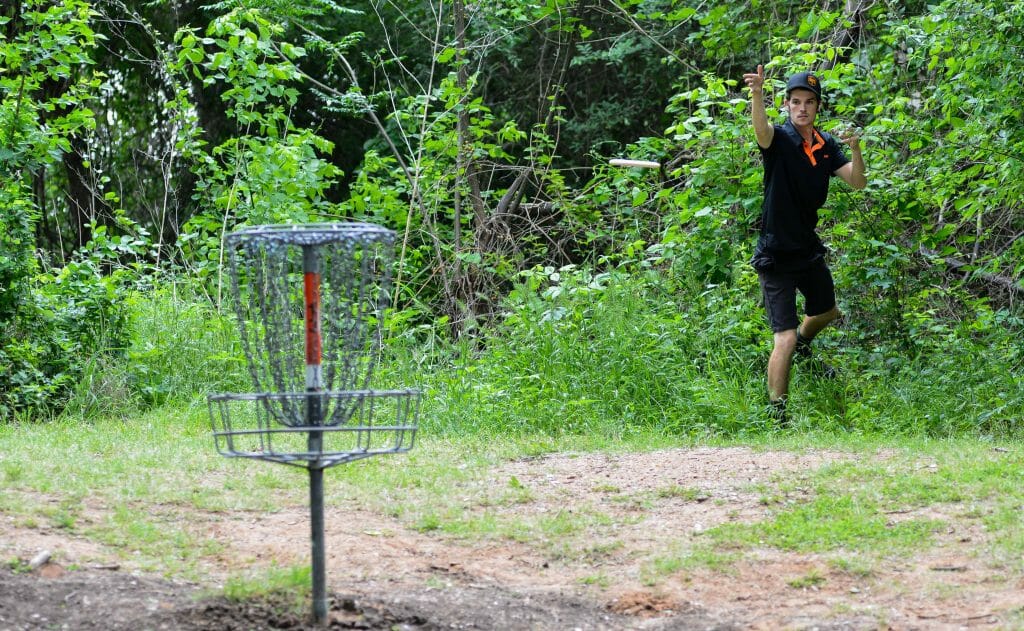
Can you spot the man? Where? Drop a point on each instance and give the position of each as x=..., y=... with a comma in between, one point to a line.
x=799, y=160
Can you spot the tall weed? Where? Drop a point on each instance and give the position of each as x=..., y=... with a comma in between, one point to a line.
x=610, y=356
x=617, y=354
x=179, y=349
x=584, y=353
x=183, y=348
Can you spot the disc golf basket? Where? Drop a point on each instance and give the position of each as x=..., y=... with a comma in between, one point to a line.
x=309, y=301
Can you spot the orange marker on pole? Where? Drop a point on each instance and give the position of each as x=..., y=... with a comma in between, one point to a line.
x=314, y=342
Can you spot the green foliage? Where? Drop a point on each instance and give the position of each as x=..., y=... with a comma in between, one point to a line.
x=270, y=171
x=604, y=355
x=52, y=42
x=177, y=349
x=714, y=211
x=613, y=356
x=73, y=315
x=40, y=44
x=181, y=349
x=17, y=221
x=596, y=69
x=637, y=310
x=51, y=322
x=942, y=133
x=424, y=207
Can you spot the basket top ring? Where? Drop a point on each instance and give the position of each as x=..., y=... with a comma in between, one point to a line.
x=313, y=233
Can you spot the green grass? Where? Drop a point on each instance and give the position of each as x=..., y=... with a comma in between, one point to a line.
x=601, y=580
x=828, y=523
x=814, y=578
x=684, y=559
x=127, y=485
x=289, y=586
x=854, y=566
x=972, y=480
x=682, y=493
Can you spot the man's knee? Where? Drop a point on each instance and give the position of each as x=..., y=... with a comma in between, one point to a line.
x=785, y=341
x=827, y=317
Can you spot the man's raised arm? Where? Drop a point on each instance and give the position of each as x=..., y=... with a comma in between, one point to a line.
x=762, y=128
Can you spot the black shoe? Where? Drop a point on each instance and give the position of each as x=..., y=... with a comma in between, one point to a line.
x=777, y=412
x=803, y=346
x=805, y=355
x=803, y=352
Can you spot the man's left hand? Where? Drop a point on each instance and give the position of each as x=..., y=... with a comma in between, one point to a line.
x=851, y=137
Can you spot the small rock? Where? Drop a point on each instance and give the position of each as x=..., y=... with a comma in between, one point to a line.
x=39, y=560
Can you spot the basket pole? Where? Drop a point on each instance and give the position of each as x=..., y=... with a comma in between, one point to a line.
x=318, y=566
x=314, y=418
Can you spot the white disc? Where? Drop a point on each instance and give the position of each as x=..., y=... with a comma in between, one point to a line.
x=641, y=164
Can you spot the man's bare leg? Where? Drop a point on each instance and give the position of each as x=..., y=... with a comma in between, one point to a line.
x=779, y=363
x=812, y=325
x=781, y=359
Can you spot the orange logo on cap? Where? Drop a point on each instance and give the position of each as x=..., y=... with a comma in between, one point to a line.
x=812, y=81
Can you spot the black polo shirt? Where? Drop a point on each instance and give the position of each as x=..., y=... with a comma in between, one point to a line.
x=796, y=177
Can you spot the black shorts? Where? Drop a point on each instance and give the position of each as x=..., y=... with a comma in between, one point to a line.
x=779, y=288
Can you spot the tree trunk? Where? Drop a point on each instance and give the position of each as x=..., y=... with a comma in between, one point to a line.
x=85, y=203
x=47, y=235
x=848, y=36
x=466, y=292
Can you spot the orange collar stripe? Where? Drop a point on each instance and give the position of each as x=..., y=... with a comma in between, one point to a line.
x=809, y=149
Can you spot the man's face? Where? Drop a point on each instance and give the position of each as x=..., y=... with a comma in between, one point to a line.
x=802, y=106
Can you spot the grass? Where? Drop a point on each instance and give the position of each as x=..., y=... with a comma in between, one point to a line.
x=275, y=580
x=680, y=492
x=289, y=586
x=132, y=497
x=856, y=567
x=974, y=480
x=828, y=523
x=685, y=559
x=600, y=580
x=812, y=579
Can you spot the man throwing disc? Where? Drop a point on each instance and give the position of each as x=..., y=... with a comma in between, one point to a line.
x=799, y=160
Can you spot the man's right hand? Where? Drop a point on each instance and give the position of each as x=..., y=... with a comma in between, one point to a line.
x=755, y=81
x=762, y=128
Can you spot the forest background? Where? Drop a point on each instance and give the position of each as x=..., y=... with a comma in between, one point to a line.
x=537, y=289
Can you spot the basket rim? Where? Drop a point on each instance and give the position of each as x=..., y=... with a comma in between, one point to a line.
x=331, y=394
x=305, y=232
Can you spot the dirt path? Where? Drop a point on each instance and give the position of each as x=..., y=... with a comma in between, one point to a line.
x=615, y=524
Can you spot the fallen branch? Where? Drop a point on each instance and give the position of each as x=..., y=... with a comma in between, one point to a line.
x=1005, y=282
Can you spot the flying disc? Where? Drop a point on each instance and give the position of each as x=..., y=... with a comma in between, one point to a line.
x=641, y=164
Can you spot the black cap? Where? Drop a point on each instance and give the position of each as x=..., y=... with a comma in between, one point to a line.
x=805, y=80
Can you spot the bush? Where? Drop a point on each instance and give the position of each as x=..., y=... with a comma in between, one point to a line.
x=69, y=317
x=608, y=354
x=181, y=348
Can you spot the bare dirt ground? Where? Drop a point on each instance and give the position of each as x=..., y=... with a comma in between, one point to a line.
x=634, y=509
